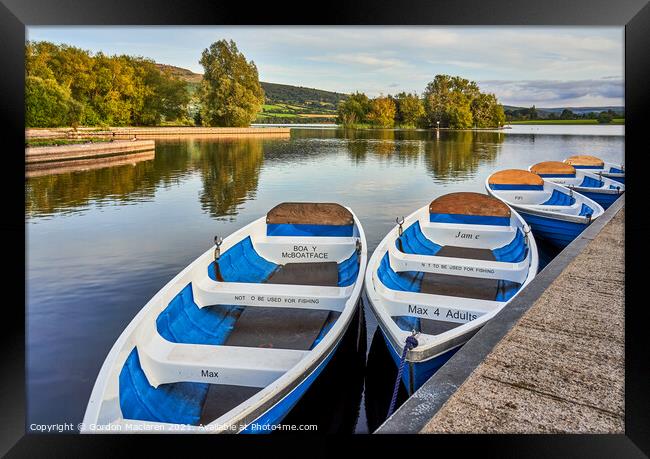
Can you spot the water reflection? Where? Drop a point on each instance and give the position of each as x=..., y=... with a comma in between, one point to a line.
x=455, y=155
x=229, y=170
x=230, y=173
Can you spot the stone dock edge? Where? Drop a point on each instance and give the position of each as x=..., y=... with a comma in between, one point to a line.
x=414, y=415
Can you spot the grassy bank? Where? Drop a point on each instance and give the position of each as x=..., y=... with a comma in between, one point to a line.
x=614, y=121
x=57, y=142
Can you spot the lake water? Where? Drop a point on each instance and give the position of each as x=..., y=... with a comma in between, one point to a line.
x=101, y=242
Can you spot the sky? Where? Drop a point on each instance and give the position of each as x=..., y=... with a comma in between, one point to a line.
x=523, y=66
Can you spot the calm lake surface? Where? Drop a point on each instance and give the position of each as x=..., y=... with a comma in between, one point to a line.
x=101, y=242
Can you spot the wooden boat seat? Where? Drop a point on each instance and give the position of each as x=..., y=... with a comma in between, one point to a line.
x=585, y=160
x=321, y=274
x=467, y=203
x=553, y=168
x=515, y=177
x=309, y=213
x=279, y=328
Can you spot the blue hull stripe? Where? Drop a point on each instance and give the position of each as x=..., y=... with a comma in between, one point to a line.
x=559, y=232
x=505, y=186
x=469, y=219
x=557, y=175
x=309, y=230
x=421, y=371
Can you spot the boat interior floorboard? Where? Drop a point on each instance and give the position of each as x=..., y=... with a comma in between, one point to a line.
x=322, y=274
x=466, y=252
x=436, y=327
x=222, y=398
x=280, y=328
x=462, y=286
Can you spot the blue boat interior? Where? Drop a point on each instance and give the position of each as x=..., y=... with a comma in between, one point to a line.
x=413, y=241
x=586, y=210
x=590, y=182
x=182, y=321
x=615, y=170
x=559, y=199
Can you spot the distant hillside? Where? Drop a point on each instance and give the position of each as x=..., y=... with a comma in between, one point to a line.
x=576, y=110
x=284, y=103
x=183, y=74
x=283, y=93
x=275, y=93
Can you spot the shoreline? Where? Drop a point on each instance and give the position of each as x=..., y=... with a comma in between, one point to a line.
x=131, y=132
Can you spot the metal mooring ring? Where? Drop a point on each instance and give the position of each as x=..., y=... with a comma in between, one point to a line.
x=400, y=223
x=217, y=251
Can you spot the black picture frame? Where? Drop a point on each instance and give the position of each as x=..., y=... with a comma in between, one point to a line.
x=634, y=15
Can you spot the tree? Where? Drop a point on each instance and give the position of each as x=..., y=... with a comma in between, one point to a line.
x=459, y=111
x=353, y=110
x=382, y=112
x=567, y=115
x=605, y=118
x=447, y=100
x=532, y=113
x=437, y=100
x=410, y=109
x=108, y=90
x=47, y=104
x=231, y=94
x=486, y=111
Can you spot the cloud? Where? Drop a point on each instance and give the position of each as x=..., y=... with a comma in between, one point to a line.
x=553, y=93
x=360, y=59
x=382, y=59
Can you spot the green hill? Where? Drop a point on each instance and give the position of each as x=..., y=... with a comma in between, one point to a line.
x=284, y=103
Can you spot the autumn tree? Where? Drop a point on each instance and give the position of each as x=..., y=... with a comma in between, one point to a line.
x=231, y=94
x=382, y=112
x=458, y=103
x=353, y=110
x=410, y=110
x=47, y=104
x=99, y=89
x=487, y=112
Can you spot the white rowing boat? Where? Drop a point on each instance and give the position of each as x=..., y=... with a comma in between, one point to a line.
x=553, y=211
x=445, y=271
x=598, y=166
x=595, y=186
x=237, y=337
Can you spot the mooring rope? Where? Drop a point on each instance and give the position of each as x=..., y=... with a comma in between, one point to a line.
x=411, y=343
